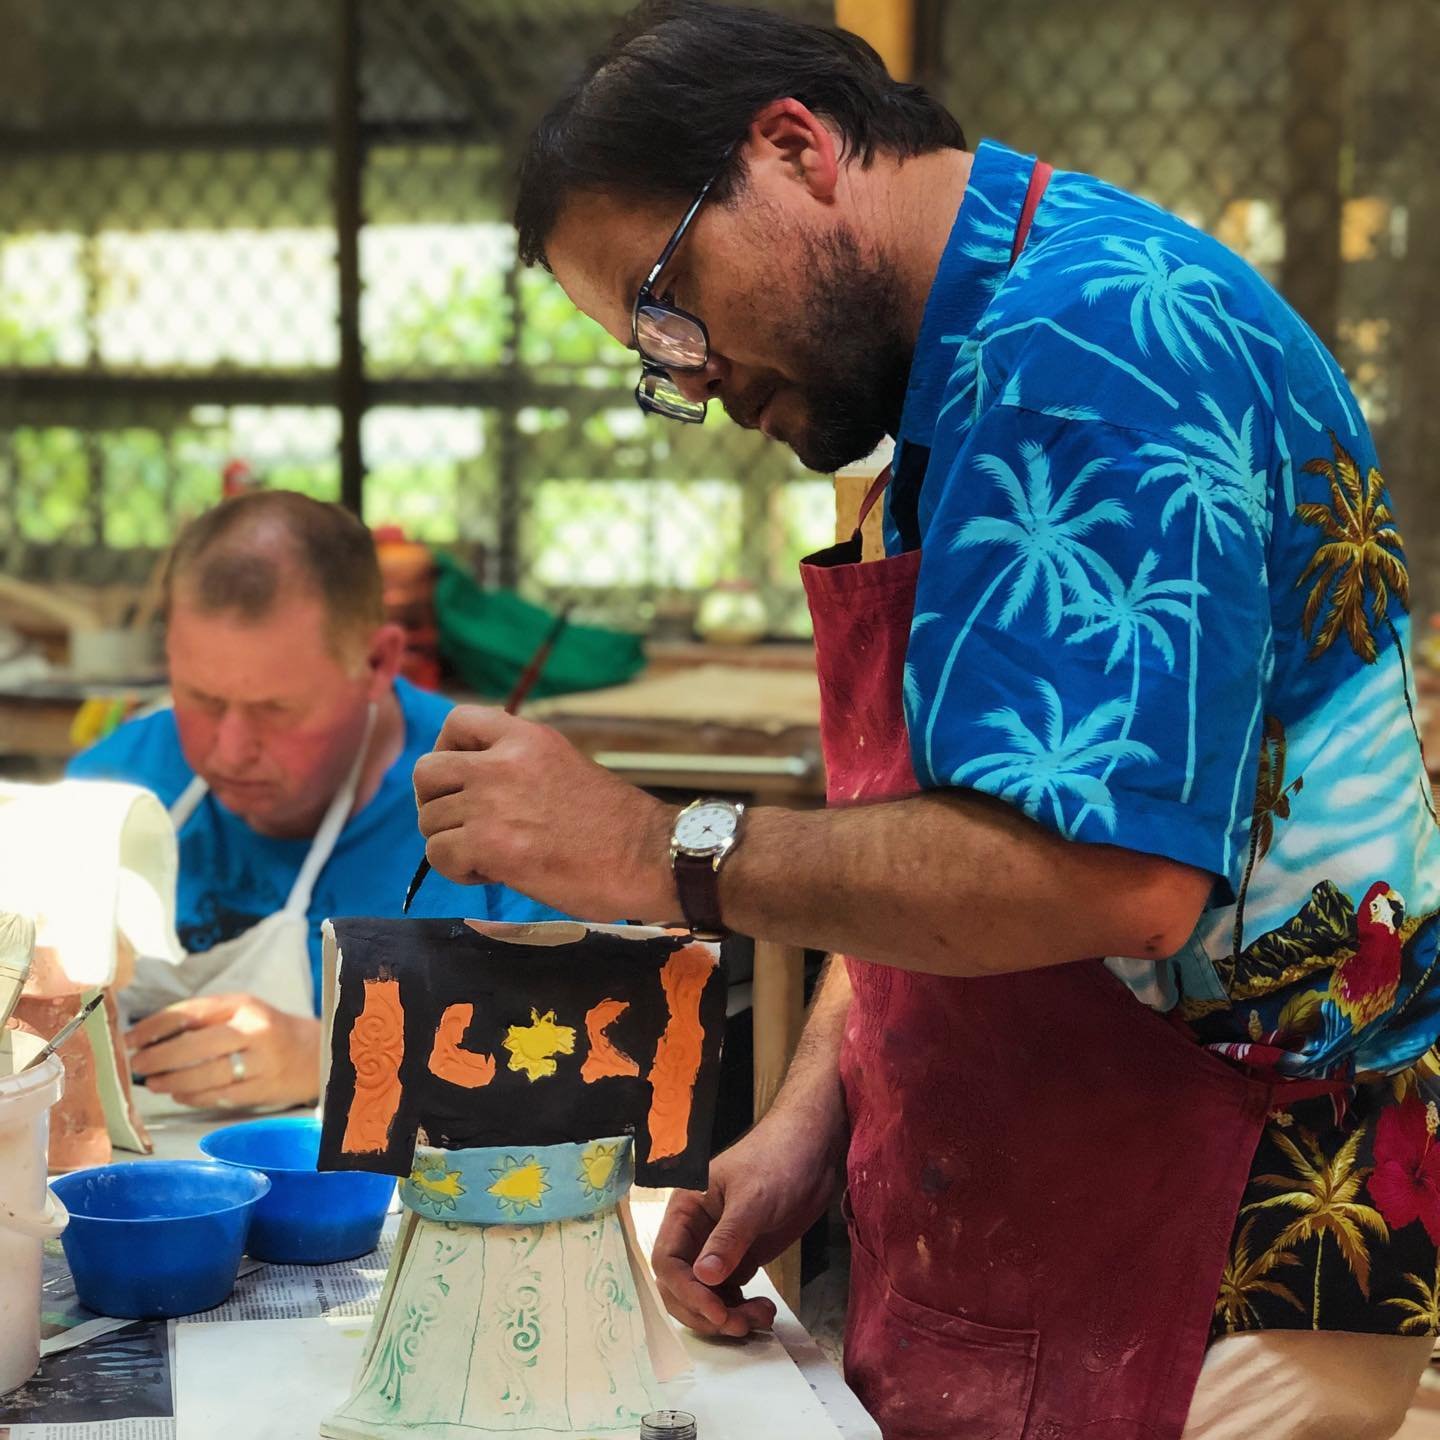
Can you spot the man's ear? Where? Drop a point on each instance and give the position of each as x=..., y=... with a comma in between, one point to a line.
x=382, y=659
x=789, y=134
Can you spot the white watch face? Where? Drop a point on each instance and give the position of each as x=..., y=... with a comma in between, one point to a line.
x=706, y=828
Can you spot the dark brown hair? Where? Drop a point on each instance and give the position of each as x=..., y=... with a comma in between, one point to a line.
x=246, y=553
x=662, y=108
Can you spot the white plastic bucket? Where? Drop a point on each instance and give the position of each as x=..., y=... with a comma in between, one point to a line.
x=30, y=1212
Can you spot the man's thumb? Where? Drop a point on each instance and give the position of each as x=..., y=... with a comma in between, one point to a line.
x=724, y=1250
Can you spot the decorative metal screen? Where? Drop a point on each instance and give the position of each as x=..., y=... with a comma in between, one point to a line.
x=275, y=231
x=1301, y=132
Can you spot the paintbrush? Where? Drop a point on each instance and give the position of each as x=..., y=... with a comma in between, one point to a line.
x=67, y=1029
x=528, y=676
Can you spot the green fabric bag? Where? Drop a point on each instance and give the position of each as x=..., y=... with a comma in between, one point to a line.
x=489, y=636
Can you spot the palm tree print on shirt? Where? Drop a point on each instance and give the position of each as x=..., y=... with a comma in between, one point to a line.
x=1045, y=533
x=911, y=682
x=1221, y=495
x=1422, y=1314
x=1043, y=770
x=1272, y=801
x=1173, y=300
x=1178, y=299
x=1245, y=1277
x=1322, y=1190
x=1361, y=555
x=1133, y=613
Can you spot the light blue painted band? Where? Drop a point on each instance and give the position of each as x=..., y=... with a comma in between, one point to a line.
x=519, y=1184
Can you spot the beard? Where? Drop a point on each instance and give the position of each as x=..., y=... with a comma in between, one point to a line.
x=848, y=353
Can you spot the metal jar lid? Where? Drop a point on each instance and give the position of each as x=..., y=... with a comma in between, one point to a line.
x=668, y=1425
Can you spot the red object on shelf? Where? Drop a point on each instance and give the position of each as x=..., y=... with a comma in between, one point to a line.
x=237, y=478
x=407, y=579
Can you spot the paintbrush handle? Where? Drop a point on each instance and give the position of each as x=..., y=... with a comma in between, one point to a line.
x=523, y=686
x=531, y=673
x=67, y=1030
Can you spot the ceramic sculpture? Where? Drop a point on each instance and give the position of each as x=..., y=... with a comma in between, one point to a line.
x=519, y=1078
x=93, y=865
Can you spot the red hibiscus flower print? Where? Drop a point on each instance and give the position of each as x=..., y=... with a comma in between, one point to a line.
x=1405, y=1184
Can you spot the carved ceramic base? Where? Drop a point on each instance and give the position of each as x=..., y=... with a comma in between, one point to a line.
x=523, y=1330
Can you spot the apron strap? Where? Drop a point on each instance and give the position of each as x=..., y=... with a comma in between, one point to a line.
x=1285, y=1093
x=876, y=490
x=188, y=803
x=328, y=834
x=1039, y=179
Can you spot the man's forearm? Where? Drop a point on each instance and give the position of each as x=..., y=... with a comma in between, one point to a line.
x=952, y=883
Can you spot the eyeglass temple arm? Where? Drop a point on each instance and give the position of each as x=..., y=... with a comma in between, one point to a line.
x=679, y=234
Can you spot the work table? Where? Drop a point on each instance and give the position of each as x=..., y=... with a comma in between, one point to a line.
x=267, y=1365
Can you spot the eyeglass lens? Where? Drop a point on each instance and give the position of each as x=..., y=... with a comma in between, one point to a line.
x=657, y=392
x=668, y=338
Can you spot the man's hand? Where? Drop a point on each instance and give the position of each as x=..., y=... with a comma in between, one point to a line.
x=185, y=1051
x=765, y=1193
x=504, y=799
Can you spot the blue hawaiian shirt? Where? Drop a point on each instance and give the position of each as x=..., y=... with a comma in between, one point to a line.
x=1162, y=604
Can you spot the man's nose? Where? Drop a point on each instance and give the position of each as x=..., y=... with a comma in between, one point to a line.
x=701, y=385
x=236, y=742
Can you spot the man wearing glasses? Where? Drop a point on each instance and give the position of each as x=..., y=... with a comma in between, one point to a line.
x=1139, y=632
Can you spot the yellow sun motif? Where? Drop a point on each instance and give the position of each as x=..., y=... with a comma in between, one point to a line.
x=519, y=1184
x=532, y=1046
x=597, y=1168
x=438, y=1186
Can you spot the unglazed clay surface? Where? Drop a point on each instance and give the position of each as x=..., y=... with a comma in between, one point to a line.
x=530, y=1329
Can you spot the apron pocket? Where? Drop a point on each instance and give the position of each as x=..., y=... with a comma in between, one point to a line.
x=928, y=1375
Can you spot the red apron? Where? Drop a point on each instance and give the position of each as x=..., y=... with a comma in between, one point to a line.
x=1043, y=1174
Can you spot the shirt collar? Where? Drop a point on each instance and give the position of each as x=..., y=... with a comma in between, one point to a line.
x=975, y=261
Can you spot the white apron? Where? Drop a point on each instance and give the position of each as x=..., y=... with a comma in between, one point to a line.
x=271, y=960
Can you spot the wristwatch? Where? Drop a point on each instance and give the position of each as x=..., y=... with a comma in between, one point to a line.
x=705, y=832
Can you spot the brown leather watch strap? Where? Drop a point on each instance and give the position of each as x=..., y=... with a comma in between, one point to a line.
x=698, y=884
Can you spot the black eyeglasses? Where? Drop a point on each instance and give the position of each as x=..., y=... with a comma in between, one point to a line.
x=670, y=340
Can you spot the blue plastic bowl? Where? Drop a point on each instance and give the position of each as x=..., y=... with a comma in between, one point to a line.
x=310, y=1216
x=150, y=1239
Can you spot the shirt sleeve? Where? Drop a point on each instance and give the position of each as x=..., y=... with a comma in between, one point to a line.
x=1091, y=632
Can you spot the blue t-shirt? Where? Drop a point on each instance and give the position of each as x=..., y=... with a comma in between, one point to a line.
x=231, y=877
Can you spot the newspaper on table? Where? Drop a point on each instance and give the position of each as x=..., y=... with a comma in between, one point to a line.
x=118, y=1387
x=109, y=1379
x=305, y=1292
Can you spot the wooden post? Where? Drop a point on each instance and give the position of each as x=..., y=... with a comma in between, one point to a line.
x=852, y=484
x=889, y=25
x=779, y=1001
x=778, y=1008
